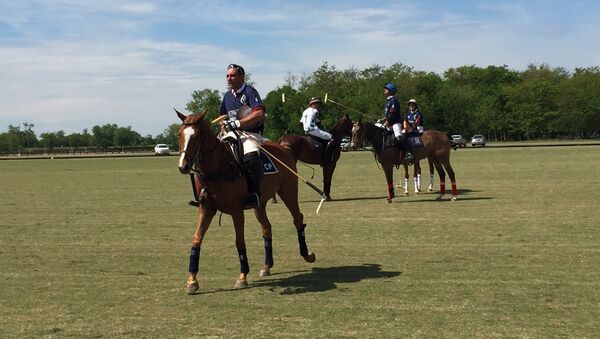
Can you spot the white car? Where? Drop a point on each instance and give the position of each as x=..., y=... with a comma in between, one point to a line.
x=162, y=149
x=478, y=139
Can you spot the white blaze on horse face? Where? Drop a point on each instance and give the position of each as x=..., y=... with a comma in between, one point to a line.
x=188, y=132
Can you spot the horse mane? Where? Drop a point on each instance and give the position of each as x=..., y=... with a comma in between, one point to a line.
x=374, y=134
x=342, y=127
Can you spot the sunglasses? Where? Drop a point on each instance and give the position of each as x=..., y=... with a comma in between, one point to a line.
x=239, y=68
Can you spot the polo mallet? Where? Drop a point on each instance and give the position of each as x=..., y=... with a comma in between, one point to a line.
x=327, y=99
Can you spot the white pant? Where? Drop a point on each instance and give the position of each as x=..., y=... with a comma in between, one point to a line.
x=248, y=140
x=397, y=128
x=320, y=134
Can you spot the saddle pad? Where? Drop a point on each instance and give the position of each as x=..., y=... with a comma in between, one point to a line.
x=414, y=141
x=268, y=164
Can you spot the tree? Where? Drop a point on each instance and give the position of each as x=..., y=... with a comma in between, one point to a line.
x=205, y=100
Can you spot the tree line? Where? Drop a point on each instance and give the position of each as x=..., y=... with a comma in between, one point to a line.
x=539, y=102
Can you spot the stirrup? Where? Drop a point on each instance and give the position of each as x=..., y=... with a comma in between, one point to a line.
x=252, y=201
x=408, y=156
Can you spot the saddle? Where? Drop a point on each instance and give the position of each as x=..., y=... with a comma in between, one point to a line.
x=315, y=142
x=237, y=149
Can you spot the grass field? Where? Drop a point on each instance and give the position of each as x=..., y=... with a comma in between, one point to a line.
x=99, y=248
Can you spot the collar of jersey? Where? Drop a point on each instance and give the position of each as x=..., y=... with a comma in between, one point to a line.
x=240, y=90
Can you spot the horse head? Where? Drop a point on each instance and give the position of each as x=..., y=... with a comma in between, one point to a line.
x=343, y=127
x=359, y=135
x=192, y=135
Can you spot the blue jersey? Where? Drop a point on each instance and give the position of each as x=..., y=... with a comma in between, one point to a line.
x=238, y=104
x=391, y=111
x=411, y=117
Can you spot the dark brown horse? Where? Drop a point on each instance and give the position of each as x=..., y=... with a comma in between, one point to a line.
x=307, y=150
x=222, y=187
x=436, y=148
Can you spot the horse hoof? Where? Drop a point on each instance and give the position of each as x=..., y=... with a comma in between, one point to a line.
x=405, y=192
x=328, y=198
x=310, y=258
x=241, y=284
x=430, y=190
x=388, y=201
x=454, y=197
x=192, y=288
x=265, y=272
x=439, y=197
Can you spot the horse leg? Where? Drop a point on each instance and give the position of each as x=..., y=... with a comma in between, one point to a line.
x=289, y=195
x=450, y=171
x=261, y=216
x=240, y=244
x=389, y=177
x=442, y=175
x=430, y=188
x=417, y=176
x=327, y=176
x=204, y=218
x=406, y=177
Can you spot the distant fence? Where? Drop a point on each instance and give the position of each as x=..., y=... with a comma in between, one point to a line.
x=42, y=151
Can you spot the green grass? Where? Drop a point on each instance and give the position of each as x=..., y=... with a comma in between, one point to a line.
x=99, y=248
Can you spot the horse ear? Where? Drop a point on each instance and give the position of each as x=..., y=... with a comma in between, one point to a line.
x=203, y=114
x=180, y=115
x=360, y=120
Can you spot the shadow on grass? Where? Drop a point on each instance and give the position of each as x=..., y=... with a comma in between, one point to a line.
x=316, y=280
x=323, y=279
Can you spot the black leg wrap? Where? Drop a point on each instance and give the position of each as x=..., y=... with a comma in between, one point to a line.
x=302, y=243
x=194, y=260
x=326, y=188
x=244, y=268
x=268, y=251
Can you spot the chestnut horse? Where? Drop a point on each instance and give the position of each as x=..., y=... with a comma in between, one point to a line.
x=303, y=148
x=436, y=148
x=222, y=187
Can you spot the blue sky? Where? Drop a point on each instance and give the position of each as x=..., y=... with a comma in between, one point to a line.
x=72, y=64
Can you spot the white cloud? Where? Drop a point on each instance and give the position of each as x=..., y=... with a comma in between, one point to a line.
x=74, y=64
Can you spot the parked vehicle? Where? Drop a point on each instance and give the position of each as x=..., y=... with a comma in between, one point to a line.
x=458, y=140
x=345, y=144
x=162, y=149
x=478, y=140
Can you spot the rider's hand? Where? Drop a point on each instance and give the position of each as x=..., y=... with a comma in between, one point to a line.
x=231, y=125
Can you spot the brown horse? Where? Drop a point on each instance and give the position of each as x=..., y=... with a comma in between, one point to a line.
x=222, y=187
x=436, y=148
x=307, y=150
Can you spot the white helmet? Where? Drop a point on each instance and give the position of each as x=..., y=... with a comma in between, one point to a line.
x=412, y=101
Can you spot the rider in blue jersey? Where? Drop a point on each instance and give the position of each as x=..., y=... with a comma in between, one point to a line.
x=246, y=112
x=414, y=118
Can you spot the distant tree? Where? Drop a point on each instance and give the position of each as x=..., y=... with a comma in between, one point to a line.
x=169, y=136
x=104, y=136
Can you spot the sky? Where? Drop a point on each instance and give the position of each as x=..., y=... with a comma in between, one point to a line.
x=73, y=64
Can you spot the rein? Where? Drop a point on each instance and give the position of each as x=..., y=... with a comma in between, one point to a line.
x=205, y=177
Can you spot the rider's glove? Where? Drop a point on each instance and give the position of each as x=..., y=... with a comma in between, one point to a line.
x=231, y=125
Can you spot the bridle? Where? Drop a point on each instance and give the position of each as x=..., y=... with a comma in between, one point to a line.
x=198, y=156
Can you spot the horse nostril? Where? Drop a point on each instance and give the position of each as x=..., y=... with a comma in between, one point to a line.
x=184, y=169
